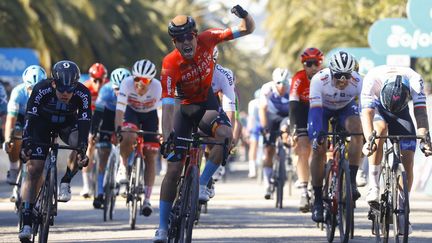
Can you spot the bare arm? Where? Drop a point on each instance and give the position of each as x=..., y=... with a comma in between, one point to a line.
x=167, y=120
x=119, y=118
x=247, y=24
x=262, y=112
x=9, y=126
x=367, y=115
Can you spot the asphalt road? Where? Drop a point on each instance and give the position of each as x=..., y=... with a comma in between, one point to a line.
x=238, y=213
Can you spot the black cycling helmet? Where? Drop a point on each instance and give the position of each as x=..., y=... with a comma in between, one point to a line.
x=395, y=93
x=181, y=25
x=66, y=73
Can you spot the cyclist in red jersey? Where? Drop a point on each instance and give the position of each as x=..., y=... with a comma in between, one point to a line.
x=311, y=59
x=187, y=74
x=98, y=77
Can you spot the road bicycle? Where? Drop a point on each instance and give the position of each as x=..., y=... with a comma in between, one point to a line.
x=185, y=207
x=337, y=190
x=393, y=206
x=135, y=188
x=45, y=208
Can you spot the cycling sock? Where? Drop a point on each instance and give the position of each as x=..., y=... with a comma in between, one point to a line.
x=374, y=173
x=318, y=193
x=164, y=212
x=252, y=169
x=148, y=191
x=68, y=176
x=100, y=183
x=304, y=187
x=27, y=213
x=268, y=171
x=209, y=169
x=14, y=165
x=353, y=174
x=85, y=177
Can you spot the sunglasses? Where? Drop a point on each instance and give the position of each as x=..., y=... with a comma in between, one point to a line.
x=340, y=75
x=98, y=80
x=312, y=62
x=142, y=80
x=185, y=37
x=281, y=82
x=64, y=88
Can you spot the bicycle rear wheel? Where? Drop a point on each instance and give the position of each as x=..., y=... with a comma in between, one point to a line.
x=47, y=205
x=400, y=198
x=345, y=202
x=189, y=205
x=330, y=203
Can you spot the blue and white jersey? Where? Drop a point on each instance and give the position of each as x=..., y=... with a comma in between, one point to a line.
x=106, y=98
x=276, y=103
x=18, y=100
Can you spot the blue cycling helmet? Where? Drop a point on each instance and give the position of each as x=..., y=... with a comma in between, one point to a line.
x=395, y=93
x=32, y=75
x=117, y=75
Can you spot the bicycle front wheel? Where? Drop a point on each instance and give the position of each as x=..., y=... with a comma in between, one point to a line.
x=400, y=198
x=47, y=205
x=189, y=204
x=330, y=203
x=134, y=191
x=345, y=203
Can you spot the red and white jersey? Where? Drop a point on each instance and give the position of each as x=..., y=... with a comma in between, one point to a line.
x=323, y=93
x=139, y=103
x=299, y=89
x=374, y=79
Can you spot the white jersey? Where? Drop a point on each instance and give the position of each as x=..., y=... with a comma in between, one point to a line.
x=276, y=103
x=253, y=116
x=223, y=81
x=145, y=103
x=375, y=78
x=323, y=93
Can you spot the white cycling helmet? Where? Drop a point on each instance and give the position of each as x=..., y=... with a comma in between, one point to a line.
x=144, y=69
x=281, y=75
x=342, y=62
x=215, y=54
x=33, y=74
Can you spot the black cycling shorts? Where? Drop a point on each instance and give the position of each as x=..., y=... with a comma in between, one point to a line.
x=147, y=121
x=207, y=115
x=41, y=131
x=107, y=129
x=301, y=117
x=274, y=123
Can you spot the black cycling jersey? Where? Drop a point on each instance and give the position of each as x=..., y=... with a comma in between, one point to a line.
x=44, y=105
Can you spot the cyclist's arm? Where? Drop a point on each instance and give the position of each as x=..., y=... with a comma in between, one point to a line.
x=419, y=100
x=367, y=115
x=246, y=26
x=294, y=108
x=315, y=121
x=9, y=126
x=13, y=108
x=121, y=104
x=167, y=116
x=84, y=116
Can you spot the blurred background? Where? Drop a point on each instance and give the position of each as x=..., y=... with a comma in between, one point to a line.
x=119, y=32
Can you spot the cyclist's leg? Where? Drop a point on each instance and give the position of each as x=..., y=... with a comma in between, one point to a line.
x=13, y=154
x=215, y=124
x=253, y=149
x=184, y=118
x=380, y=126
x=69, y=135
x=86, y=171
x=302, y=150
x=131, y=123
x=33, y=179
x=349, y=117
x=149, y=122
x=317, y=168
x=103, y=148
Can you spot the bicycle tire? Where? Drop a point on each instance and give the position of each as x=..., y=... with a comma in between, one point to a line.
x=400, y=196
x=107, y=198
x=189, y=205
x=135, y=177
x=345, y=206
x=330, y=204
x=47, y=206
x=109, y=186
x=290, y=176
x=386, y=205
x=280, y=176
